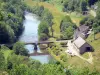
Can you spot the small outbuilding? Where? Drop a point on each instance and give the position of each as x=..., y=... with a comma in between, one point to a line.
x=82, y=45
x=81, y=31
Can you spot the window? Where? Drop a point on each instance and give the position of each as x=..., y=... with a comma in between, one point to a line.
x=88, y=49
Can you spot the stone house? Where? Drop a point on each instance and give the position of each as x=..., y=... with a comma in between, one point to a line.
x=81, y=31
x=82, y=46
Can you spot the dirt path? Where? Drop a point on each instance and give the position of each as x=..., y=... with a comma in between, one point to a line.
x=74, y=50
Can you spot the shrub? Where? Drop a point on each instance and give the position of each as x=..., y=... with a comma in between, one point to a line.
x=43, y=37
x=19, y=49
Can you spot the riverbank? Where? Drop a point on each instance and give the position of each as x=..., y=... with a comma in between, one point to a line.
x=58, y=15
x=30, y=34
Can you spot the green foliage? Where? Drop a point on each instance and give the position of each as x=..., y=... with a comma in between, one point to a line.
x=43, y=30
x=34, y=64
x=19, y=49
x=21, y=70
x=68, y=33
x=38, y=10
x=2, y=61
x=11, y=62
x=63, y=57
x=47, y=69
x=6, y=33
x=56, y=49
x=96, y=24
x=75, y=5
x=11, y=20
x=83, y=5
x=92, y=2
x=51, y=69
x=66, y=19
x=43, y=37
x=23, y=66
x=4, y=48
x=47, y=16
x=67, y=28
x=87, y=21
x=84, y=71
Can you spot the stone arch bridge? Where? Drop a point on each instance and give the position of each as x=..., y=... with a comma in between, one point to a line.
x=35, y=43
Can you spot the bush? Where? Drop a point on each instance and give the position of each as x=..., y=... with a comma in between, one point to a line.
x=4, y=48
x=19, y=49
x=63, y=57
x=43, y=28
x=43, y=37
x=63, y=43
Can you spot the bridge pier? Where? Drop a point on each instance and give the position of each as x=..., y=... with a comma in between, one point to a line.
x=35, y=47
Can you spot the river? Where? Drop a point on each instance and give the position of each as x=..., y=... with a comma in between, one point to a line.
x=30, y=33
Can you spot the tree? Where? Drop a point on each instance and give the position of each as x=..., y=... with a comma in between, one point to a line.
x=65, y=8
x=19, y=49
x=47, y=17
x=11, y=20
x=2, y=61
x=83, y=5
x=43, y=37
x=75, y=5
x=67, y=28
x=88, y=20
x=51, y=69
x=91, y=2
x=96, y=22
x=68, y=33
x=43, y=29
x=21, y=69
x=6, y=33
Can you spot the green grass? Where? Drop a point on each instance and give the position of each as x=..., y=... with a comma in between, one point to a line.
x=85, y=55
x=96, y=45
x=57, y=14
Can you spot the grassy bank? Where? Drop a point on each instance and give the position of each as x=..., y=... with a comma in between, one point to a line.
x=57, y=14
x=96, y=45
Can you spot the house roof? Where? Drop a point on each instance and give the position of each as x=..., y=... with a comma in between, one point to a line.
x=83, y=28
x=79, y=42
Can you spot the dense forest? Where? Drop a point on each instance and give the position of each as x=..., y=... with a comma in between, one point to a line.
x=18, y=64
x=11, y=17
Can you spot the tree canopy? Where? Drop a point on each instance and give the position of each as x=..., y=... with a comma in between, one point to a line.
x=19, y=49
x=67, y=28
x=11, y=20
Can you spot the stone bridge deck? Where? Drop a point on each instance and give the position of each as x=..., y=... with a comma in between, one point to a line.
x=37, y=43
x=46, y=42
